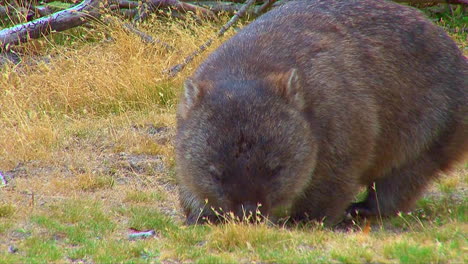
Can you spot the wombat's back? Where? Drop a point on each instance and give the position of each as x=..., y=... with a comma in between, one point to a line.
x=385, y=65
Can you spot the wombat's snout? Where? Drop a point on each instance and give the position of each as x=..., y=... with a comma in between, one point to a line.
x=250, y=210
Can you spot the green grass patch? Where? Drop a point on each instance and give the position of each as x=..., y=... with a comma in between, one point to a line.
x=129, y=252
x=407, y=252
x=5, y=226
x=135, y=196
x=145, y=218
x=77, y=220
x=40, y=250
x=213, y=259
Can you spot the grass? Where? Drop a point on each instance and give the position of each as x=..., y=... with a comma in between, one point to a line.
x=87, y=150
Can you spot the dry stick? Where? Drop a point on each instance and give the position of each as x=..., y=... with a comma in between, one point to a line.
x=130, y=27
x=63, y=20
x=145, y=37
x=151, y=5
x=173, y=71
x=228, y=7
x=124, y=3
x=231, y=7
x=183, y=7
x=3, y=11
x=233, y=1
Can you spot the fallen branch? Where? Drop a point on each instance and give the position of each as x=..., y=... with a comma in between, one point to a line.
x=173, y=71
x=59, y=21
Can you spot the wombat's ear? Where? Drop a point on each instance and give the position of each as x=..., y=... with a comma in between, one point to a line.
x=192, y=94
x=288, y=85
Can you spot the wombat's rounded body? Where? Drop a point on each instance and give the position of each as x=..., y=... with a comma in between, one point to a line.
x=315, y=99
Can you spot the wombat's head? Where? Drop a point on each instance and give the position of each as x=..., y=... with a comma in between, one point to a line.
x=244, y=143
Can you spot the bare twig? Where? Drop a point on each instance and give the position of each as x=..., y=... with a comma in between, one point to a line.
x=233, y=1
x=152, y=5
x=124, y=4
x=145, y=37
x=173, y=71
x=3, y=11
x=220, y=7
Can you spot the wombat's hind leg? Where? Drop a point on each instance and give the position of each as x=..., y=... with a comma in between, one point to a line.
x=398, y=190
x=401, y=187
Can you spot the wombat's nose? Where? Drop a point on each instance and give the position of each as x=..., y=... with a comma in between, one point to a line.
x=247, y=209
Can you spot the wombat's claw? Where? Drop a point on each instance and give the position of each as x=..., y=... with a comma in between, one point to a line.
x=356, y=210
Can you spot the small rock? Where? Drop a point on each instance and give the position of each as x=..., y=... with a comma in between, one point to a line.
x=12, y=249
x=141, y=234
x=3, y=181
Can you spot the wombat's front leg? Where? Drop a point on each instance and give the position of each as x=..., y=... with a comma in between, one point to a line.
x=326, y=199
x=196, y=211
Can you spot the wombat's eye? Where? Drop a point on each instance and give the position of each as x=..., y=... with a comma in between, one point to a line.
x=216, y=178
x=215, y=173
x=274, y=166
x=276, y=170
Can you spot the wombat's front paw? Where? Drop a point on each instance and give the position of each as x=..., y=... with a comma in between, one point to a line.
x=200, y=219
x=360, y=209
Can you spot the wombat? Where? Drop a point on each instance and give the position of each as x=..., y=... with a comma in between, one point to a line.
x=315, y=99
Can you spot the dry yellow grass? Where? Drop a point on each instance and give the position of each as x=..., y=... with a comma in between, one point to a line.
x=92, y=83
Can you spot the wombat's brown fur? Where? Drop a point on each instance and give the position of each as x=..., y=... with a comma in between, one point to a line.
x=313, y=100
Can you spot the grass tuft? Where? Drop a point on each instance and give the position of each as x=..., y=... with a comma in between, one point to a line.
x=93, y=182
x=135, y=196
x=6, y=210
